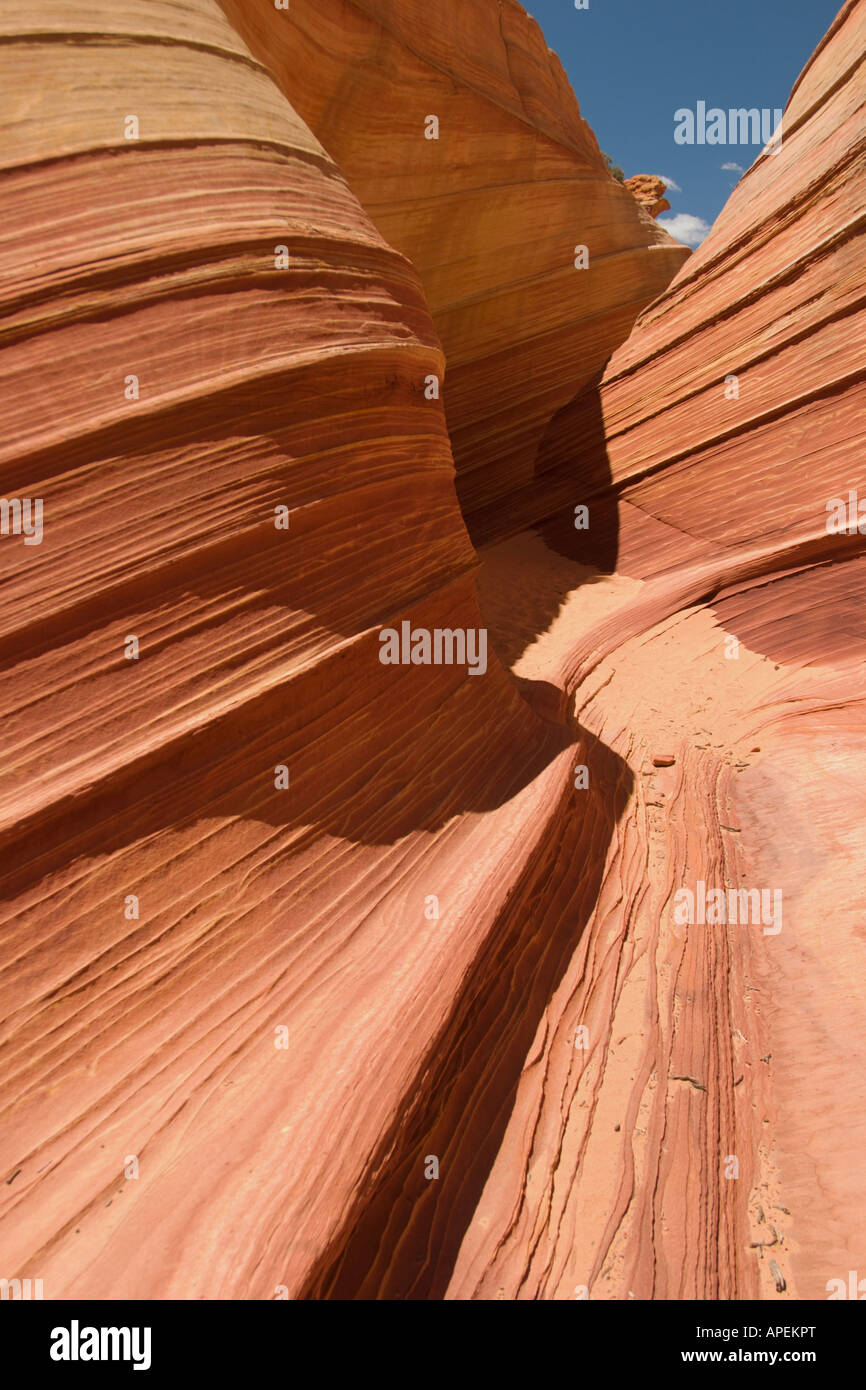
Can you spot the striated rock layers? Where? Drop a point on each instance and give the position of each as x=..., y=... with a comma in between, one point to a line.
x=323, y=977
x=650, y=192
x=708, y=1139
x=490, y=204
x=168, y=905
x=249, y=866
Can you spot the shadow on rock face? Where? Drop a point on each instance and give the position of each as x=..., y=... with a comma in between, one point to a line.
x=402, y=1238
x=572, y=471
x=568, y=534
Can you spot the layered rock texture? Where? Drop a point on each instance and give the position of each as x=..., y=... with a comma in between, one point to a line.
x=459, y=133
x=323, y=977
x=650, y=191
x=731, y=636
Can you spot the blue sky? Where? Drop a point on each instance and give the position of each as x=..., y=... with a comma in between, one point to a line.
x=632, y=63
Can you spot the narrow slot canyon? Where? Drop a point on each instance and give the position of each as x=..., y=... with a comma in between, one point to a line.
x=403, y=981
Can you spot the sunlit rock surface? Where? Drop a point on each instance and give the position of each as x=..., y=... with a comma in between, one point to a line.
x=650, y=192
x=714, y=1120
x=491, y=211
x=296, y=945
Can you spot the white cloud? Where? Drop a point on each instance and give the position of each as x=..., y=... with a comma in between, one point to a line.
x=686, y=228
x=672, y=186
x=738, y=167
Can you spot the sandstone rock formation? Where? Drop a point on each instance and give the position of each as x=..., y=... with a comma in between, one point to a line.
x=283, y=926
x=489, y=212
x=213, y=330
x=650, y=191
x=732, y=633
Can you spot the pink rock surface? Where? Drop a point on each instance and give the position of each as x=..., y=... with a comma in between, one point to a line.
x=490, y=212
x=732, y=634
x=283, y=924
